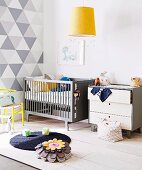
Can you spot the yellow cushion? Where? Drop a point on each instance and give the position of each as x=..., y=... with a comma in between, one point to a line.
x=43, y=87
x=48, y=86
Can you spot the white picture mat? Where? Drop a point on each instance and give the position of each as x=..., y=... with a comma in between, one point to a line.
x=72, y=52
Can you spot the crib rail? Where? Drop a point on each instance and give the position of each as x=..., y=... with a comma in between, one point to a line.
x=51, y=98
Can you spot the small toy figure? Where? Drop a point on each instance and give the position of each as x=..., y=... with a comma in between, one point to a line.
x=77, y=94
x=45, y=131
x=97, y=82
x=26, y=132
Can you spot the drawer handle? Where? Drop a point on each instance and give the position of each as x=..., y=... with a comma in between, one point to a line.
x=109, y=103
x=108, y=116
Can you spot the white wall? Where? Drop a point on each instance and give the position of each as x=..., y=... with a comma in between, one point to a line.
x=49, y=36
x=117, y=48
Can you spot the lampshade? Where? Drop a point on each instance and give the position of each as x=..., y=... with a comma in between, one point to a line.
x=82, y=22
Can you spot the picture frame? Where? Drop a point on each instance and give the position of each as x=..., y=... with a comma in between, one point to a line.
x=72, y=52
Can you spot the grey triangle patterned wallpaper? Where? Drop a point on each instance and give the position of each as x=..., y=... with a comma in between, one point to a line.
x=21, y=51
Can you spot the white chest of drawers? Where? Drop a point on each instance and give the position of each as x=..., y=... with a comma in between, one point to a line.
x=123, y=105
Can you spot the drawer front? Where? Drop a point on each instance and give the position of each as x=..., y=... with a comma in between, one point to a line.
x=117, y=96
x=111, y=108
x=95, y=118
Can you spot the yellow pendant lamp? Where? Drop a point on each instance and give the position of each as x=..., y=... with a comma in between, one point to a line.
x=82, y=22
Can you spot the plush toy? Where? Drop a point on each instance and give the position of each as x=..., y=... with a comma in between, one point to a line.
x=97, y=82
x=26, y=132
x=45, y=131
x=104, y=80
x=77, y=93
x=135, y=81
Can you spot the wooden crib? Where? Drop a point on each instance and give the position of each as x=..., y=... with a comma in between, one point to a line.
x=57, y=99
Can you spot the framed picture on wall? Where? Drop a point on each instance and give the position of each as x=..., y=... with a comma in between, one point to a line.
x=72, y=52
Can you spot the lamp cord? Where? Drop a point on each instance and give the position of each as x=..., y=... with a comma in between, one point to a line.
x=83, y=2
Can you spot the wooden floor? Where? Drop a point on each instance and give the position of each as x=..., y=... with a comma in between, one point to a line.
x=7, y=163
x=88, y=152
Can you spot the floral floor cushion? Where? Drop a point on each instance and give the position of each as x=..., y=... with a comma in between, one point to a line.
x=53, y=150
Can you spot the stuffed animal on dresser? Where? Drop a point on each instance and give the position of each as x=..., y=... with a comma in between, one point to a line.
x=104, y=80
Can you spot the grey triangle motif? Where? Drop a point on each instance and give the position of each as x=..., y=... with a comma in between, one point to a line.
x=15, y=68
x=23, y=54
x=16, y=86
x=37, y=71
x=2, y=3
x=41, y=59
x=8, y=44
x=2, y=59
x=7, y=26
x=7, y=2
x=22, y=19
x=15, y=13
x=23, y=27
x=30, y=41
x=21, y=82
x=30, y=32
x=2, y=68
x=23, y=3
x=15, y=40
x=2, y=31
x=29, y=6
x=8, y=82
x=2, y=10
x=30, y=59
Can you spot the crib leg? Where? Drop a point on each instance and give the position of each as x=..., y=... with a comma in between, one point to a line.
x=67, y=125
x=27, y=117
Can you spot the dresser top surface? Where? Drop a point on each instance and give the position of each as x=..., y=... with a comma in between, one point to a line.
x=116, y=86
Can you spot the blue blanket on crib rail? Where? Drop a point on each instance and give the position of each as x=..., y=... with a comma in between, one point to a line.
x=62, y=86
x=103, y=93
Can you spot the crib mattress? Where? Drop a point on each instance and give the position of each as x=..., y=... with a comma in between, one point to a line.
x=63, y=98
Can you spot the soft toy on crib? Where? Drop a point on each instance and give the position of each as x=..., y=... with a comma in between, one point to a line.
x=64, y=86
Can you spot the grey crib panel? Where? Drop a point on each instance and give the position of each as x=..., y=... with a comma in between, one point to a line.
x=80, y=106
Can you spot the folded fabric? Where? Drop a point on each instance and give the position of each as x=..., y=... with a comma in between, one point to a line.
x=103, y=93
x=63, y=86
x=65, y=78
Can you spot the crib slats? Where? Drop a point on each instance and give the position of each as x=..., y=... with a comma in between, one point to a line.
x=48, y=98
